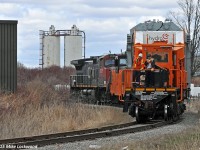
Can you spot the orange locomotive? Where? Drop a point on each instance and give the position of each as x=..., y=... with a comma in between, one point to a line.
x=162, y=86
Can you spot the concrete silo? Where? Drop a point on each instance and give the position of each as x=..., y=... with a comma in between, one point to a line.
x=72, y=45
x=49, y=48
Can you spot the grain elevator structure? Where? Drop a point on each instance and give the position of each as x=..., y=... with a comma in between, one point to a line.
x=50, y=48
x=74, y=46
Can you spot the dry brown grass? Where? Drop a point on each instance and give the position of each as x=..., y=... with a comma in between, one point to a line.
x=193, y=106
x=36, y=108
x=196, y=81
x=57, y=118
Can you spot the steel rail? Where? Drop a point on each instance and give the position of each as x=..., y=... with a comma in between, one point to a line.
x=70, y=133
x=73, y=136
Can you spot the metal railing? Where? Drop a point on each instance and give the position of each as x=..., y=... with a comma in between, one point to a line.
x=137, y=78
x=80, y=80
x=133, y=78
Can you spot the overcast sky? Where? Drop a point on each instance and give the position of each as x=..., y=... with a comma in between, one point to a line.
x=105, y=22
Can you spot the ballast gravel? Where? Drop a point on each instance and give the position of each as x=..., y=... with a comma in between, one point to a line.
x=188, y=120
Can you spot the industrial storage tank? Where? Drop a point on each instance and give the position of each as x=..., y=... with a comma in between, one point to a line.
x=50, y=48
x=72, y=46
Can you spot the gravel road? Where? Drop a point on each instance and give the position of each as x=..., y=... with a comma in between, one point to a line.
x=188, y=120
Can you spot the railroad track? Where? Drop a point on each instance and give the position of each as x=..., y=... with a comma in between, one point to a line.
x=73, y=136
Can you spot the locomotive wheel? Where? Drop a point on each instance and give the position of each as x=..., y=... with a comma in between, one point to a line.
x=139, y=117
x=131, y=110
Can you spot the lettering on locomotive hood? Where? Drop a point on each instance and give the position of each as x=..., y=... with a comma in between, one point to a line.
x=150, y=37
x=164, y=37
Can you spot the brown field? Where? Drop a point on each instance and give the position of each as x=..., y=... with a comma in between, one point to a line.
x=196, y=81
x=36, y=108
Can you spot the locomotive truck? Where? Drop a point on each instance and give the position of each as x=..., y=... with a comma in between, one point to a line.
x=166, y=43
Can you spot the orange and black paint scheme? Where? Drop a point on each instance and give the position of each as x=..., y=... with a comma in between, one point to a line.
x=165, y=98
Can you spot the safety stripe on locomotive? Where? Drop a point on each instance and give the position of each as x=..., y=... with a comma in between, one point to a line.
x=152, y=89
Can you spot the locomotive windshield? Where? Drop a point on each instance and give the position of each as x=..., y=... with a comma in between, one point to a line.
x=109, y=62
x=122, y=62
x=159, y=56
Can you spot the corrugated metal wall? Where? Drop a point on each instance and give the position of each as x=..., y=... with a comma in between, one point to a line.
x=8, y=55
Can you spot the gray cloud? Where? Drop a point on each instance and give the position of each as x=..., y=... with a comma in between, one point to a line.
x=106, y=23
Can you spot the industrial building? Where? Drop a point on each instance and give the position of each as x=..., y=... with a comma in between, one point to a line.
x=8, y=55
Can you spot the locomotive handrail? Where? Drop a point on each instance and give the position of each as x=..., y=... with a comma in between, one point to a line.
x=144, y=70
x=157, y=70
x=128, y=82
x=181, y=88
x=181, y=82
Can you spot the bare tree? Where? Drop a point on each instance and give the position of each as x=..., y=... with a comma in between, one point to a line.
x=189, y=20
